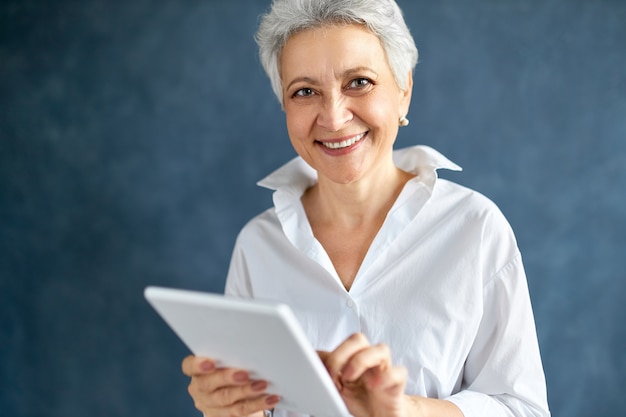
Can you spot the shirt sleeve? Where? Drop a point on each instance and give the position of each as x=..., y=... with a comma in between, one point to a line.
x=503, y=374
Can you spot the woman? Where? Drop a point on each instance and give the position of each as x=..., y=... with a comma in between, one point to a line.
x=411, y=287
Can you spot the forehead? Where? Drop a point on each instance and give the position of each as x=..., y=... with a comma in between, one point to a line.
x=317, y=51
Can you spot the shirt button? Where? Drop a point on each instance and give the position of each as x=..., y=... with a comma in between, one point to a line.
x=350, y=304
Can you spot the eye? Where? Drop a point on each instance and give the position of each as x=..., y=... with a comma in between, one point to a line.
x=303, y=92
x=359, y=83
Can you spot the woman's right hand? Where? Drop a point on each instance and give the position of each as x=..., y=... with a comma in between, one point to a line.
x=225, y=392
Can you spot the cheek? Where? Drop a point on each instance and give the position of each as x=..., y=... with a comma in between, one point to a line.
x=380, y=118
x=380, y=113
x=297, y=134
x=298, y=122
x=292, y=129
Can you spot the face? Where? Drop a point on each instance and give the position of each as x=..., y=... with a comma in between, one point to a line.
x=341, y=102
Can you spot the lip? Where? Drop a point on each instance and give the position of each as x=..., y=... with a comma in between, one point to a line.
x=345, y=149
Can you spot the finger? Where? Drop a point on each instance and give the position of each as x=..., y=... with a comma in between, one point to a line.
x=212, y=390
x=195, y=365
x=228, y=396
x=390, y=382
x=219, y=378
x=244, y=407
x=377, y=356
x=336, y=360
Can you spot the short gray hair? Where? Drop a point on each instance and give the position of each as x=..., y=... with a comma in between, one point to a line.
x=382, y=17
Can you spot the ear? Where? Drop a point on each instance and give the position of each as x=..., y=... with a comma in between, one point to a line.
x=405, y=95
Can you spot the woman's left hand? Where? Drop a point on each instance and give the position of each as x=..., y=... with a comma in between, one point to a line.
x=366, y=379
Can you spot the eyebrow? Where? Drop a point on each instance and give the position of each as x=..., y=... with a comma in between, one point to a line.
x=346, y=73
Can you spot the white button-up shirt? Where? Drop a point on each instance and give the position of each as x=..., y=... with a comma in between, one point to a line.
x=442, y=285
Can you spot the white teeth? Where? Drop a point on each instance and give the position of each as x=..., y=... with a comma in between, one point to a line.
x=344, y=143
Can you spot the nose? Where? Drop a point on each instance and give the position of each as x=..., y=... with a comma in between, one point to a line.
x=334, y=113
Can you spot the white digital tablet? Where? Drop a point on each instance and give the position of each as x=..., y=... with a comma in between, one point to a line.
x=262, y=337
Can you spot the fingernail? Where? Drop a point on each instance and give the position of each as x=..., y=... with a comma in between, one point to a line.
x=240, y=376
x=207, y=366
x=272, y=400
x=259, y=385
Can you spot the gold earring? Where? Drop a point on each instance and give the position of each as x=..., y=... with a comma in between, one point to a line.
x=403, y=121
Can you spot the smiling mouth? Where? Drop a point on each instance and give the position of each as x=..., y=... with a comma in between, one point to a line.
x=344, y=143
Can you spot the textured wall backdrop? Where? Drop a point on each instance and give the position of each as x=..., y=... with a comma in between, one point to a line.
x=132, y=135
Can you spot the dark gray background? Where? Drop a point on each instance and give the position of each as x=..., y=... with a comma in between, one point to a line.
x=132, y=135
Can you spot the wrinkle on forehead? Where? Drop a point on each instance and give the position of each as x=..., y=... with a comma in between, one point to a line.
x=353, y=54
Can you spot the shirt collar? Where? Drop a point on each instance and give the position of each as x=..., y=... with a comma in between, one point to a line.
x=292, y=179
x=296, y=175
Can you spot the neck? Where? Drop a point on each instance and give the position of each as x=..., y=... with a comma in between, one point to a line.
x=366, y=201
